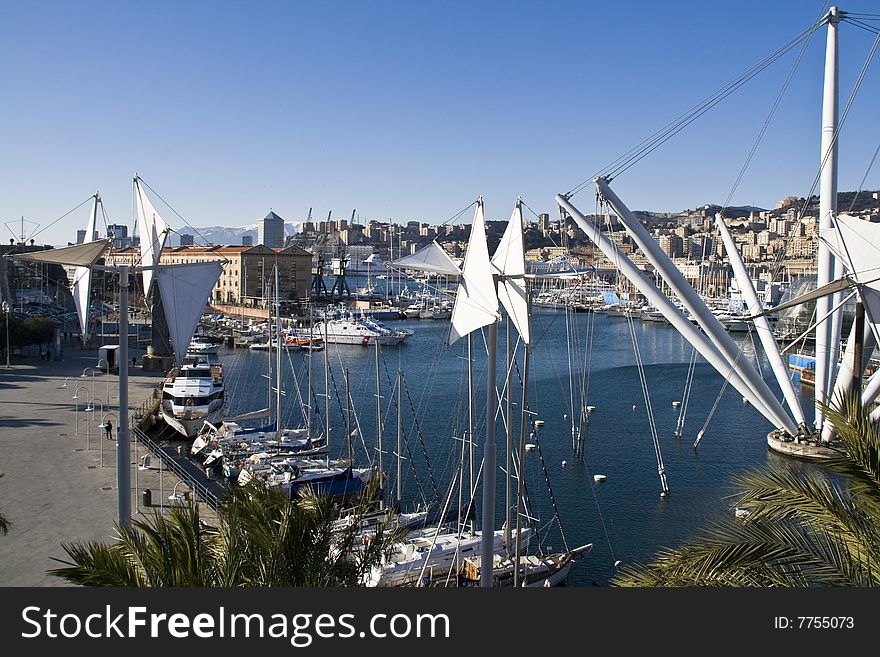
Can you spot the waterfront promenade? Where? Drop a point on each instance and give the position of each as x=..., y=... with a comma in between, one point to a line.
x=54, y=489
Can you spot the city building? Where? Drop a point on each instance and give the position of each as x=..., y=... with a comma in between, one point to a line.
x=248, y=273
x=271, y=231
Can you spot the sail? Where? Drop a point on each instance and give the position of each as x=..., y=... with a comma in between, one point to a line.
x=153, y=232
x=431, y=258
x=78, y=255
x=509, y=260
x=856, y=243
x=81, y=287
x=185, y=290
x=476, y=303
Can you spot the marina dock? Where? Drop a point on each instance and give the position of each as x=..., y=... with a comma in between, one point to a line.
x=53, y=488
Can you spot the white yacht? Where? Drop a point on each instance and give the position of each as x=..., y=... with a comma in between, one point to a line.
x=198, y=347
x=192, y=394
x=429, y=554
x=356, y=330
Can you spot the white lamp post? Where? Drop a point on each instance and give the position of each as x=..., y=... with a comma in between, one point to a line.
x=103, y=425
x=104, y=360
x=84, y=376
x=91, y=409
x=76, y=407
x=6, y=310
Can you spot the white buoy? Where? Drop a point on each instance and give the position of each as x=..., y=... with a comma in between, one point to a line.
x=617, y=563
x=530, y=446
x=563, y=463
x=663, y=494
x=599, y=477
x=676, y=404
x=590, y=409
x=745, y=401
x=634, y=407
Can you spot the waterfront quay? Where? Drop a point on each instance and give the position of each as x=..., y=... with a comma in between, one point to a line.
x=54, y=488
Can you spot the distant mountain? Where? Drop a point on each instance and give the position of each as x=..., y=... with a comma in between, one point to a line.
x=225, y=235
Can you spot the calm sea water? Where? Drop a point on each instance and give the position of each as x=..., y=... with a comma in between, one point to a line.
x=624, y=517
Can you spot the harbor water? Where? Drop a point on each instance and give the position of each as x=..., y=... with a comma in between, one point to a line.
x=624, y=516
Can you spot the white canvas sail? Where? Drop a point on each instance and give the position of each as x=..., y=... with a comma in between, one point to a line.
x=153, y=232
x=476, y=303
x=78, y=255
x=431, y=258
x=856, y=243
x=185, y=290
x=510, y=262
x=81, y=287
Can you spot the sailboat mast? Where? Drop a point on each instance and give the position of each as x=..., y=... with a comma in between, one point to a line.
x=509, y=456
x=379, y=418
x=826, y=341
x=470, y=352
x=326, y=389
x=348, y=418
x=520, y=482
x=399, y=433
x=309, y=398
x=277, y=354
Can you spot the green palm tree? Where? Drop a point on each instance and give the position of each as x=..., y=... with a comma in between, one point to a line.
x=812, y=529
x=262, y=539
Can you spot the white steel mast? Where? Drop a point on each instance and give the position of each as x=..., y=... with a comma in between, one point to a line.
x=826, y=341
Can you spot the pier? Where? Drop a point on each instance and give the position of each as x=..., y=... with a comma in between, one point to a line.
x=55, y=488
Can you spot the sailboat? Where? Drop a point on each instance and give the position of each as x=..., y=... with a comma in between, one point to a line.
x=483, y=283
x=848, y=256
x=228, y=445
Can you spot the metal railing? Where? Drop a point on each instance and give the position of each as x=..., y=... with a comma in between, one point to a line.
x=170, y=463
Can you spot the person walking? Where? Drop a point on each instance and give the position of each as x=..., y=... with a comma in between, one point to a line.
x=109, y=429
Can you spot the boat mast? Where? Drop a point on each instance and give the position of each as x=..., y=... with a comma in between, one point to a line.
x=399, y=435
x=348, y=418
x=326, y=389
x=509, y=456
x=470, y=436
x=277, y=355
x=309, y=398
x=826, y=340
x=520, y=483
x=379, y=419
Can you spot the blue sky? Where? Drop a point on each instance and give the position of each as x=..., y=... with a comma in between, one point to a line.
x=405, y=110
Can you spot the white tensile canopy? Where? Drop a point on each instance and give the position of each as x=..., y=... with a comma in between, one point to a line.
x=185, y=291
x=476, y=303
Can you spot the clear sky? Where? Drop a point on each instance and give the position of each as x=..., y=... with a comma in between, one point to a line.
x=405, y=110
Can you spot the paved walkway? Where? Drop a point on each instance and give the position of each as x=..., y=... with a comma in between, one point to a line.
x=54, y=488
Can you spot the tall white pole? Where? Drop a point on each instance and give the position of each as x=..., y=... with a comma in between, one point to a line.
x=123, y=445
x=487, y=552
x=691, y=300
x=762, y=325
x=661, y=302
x=826, y=349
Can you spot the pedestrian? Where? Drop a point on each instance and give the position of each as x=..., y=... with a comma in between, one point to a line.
x=133, y=361
x=109, y=429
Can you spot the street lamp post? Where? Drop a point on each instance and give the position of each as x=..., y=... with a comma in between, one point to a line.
x=104, y=360
x=84, y=376
x=91, y=409
x=76, y=407
x=6, y=310
x=103, y=425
